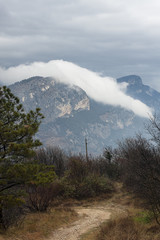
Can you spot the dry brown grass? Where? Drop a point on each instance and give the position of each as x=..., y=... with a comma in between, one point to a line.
x=39, y=226
x=126, y=228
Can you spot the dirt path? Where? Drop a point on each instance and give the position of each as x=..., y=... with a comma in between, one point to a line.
x=90, y=217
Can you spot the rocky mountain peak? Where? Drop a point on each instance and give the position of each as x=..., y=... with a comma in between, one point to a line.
x=131, y=79
x=55, y=99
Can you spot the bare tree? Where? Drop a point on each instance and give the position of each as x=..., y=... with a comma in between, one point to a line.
x=141, y=170
x=53, y=156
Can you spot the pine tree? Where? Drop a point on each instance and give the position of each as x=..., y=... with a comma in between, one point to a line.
x=17, y=128
x=17, y=144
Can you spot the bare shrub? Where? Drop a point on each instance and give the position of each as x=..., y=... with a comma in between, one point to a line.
x=77, y=168
x=141, y=170
x=40, y=196
x=52, y=156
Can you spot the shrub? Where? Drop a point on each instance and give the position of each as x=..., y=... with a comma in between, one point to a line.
x=91, y=186
x=52, y=156
x=141, y=171
x=39, y=189
x=11, y=216
x=39, y=197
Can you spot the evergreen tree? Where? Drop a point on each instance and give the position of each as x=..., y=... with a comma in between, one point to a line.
x=17, y=143
x=16, y=128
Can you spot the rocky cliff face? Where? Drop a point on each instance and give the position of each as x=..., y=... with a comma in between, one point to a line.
x=55, y=99
x=70, y=116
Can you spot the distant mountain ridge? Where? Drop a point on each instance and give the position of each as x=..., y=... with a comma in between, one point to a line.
x=138, y=90
x=71, y=116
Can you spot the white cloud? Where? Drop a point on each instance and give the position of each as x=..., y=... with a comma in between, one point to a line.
x=102, y=89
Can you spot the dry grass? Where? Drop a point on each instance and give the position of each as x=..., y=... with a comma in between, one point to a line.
x=39, y=226
x=126, y=228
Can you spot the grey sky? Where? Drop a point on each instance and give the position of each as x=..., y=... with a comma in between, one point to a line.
x=115, y=37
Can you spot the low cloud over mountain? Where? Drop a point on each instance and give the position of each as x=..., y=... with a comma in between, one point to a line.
x=102, y=89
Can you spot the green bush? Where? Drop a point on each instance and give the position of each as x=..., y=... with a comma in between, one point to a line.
x=91, y=186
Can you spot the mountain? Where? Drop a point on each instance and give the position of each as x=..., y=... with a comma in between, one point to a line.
x=138, y=90
x=71, y=116
x=55, y=99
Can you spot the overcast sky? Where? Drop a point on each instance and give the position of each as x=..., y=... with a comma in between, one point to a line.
x=114, y=37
